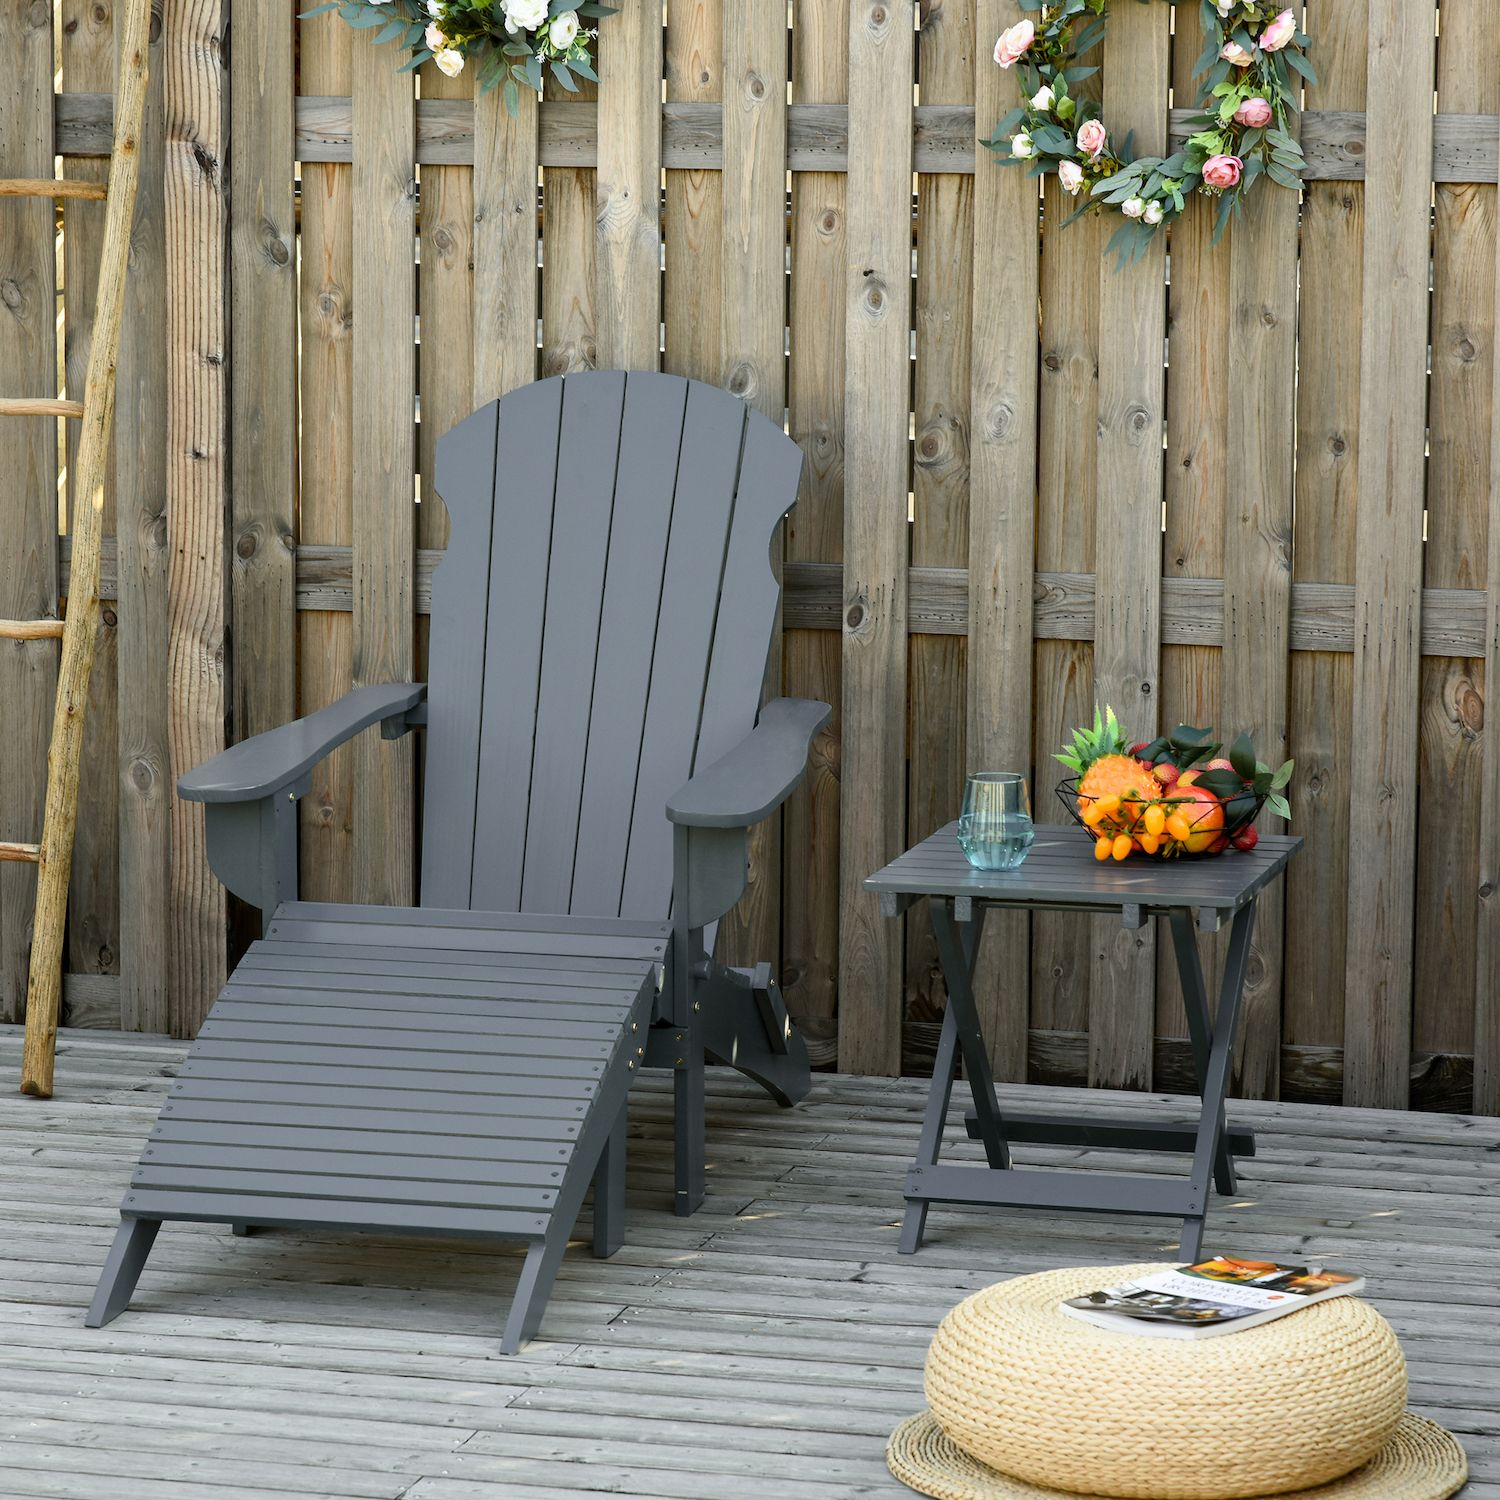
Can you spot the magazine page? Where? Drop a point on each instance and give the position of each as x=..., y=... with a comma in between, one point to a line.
x=1215, y=1293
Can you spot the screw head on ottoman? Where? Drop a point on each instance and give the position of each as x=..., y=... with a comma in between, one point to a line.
x=1059, y=1404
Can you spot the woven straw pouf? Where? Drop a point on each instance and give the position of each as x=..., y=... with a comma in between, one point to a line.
x=1026, y=1401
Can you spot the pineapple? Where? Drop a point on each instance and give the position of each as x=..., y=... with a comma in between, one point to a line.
x=1113, y=786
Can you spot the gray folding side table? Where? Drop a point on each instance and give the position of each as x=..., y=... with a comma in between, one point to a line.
x=1061, y=874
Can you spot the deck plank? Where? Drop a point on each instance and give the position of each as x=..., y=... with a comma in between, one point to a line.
x=776, y=1333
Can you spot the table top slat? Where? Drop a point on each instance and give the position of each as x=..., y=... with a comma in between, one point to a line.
x=1061, y=870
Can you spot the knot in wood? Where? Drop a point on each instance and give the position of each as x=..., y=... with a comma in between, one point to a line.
x=1137, y=421
x=103, y=14
x=879, y=17
x=828, y=221
x=247, y=544
x=998, y=420
x=755, y=86
x=10, y=294
x=874, y=298
x=1469, y=708
x=275, y=247
x=1052, y=360
x=442, y=238
x=1338, y=445
x=1465, y=349
x=1268, y=316
x=855, y=616
x=110, y=618
x=39, y=14
x=742, y=381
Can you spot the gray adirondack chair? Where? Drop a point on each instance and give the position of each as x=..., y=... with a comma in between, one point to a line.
x=600, y=630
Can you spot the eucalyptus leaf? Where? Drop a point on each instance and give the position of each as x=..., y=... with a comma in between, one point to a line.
x=1242, y=757
x=1282, y=776
x=1280, y=806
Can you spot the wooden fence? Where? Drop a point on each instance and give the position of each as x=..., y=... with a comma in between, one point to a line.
x=1014, y=505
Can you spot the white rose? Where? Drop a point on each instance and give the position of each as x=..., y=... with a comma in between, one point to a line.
x=1043, y=98
x=1224, y=7
x=1070, y=174
x=563, y=29
x=434, y=8
x=450, y=62
x=1021, y=146
x=525, y=15
x=1152, y=214
x=1133, y=208
x=434, y=38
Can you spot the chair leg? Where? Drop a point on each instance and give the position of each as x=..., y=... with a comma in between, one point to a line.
x=609, y=1192
x=691, y=1130
x=543, y=1257
x=127, y=1258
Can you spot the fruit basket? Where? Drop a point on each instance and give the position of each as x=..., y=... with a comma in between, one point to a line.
x=1201, y=842
x=1174, y=797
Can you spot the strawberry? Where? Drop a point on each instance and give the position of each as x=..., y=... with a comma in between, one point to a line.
x=1246, y=839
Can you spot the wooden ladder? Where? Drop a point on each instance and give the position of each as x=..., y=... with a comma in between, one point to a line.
x=53, y=857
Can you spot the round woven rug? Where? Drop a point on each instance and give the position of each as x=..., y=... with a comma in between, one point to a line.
x=1420, y=1461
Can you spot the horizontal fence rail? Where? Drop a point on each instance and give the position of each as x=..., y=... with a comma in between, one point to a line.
x=1222, y=486
x=1466, y=148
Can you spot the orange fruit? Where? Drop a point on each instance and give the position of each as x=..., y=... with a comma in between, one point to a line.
x=1204, y=815
x=1103, y=847
x=1123, y=845
x=1155, y=820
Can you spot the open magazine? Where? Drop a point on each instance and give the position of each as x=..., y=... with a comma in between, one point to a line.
x=1220, y=1295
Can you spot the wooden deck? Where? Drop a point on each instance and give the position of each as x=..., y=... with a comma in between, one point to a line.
x=766, y=1345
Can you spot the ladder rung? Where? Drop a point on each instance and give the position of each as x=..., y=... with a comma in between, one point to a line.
x=26, y=853
x=30, y=630
x=38, y=406
x=52, y=187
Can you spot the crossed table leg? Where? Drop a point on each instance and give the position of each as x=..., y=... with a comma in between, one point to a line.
x=1212, y=1143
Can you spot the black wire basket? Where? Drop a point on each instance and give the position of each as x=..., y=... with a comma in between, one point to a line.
x=1238, y=814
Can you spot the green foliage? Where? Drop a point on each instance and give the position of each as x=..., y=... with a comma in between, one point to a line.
x=475, y=32
x=1150, y=193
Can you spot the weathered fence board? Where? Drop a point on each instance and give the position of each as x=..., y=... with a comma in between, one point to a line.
x=142, y=568
x=937, y=700
x=86, y=49
x=815, y=531
x=947, y=343
x=1388, y=557
x=1002, y=529
x=196, y=427
x=383, y=390
x=877, y=400
x=1322, y=684
x=1460, y=398
x=326, y=640
x=28, y=497
x=1127, y=631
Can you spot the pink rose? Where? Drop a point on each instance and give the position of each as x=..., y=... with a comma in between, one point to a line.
x=1092, y=139
x=1254, y=113
x=1070, y=175
x=1222, y=171
x=1278, y=33
x=1014, y=43
x=1232, y=52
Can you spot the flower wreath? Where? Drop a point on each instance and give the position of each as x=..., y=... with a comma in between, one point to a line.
x=509, y=39
x=1252, y=58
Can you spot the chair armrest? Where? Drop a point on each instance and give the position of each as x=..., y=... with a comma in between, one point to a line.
x=280, y=758
x=758, y=775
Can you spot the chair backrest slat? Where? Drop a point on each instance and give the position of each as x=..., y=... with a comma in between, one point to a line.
x=600, y=628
